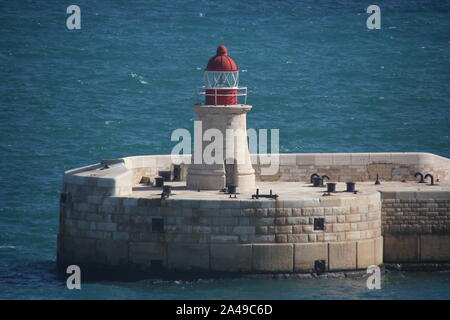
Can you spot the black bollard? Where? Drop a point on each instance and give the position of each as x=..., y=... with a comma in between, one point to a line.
x=350, y=187
x=231, y=189
x=159, y=182
x=176, y=173
x=331, y=187
x=317, y=182
x=167, y=190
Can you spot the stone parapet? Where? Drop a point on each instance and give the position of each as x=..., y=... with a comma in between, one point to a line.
x=299, y=167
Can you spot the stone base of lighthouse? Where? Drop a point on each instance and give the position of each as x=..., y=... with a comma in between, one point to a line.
x=234, y=166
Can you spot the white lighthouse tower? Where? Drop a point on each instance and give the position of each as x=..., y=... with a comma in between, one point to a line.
x=222, y=111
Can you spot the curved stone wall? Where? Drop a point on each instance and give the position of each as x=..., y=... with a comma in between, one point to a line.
x=275, y=236
x=103, y=225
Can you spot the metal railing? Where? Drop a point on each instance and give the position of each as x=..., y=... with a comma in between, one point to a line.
x=240, y=92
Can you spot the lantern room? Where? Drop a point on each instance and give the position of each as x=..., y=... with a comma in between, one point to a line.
x=222, y=80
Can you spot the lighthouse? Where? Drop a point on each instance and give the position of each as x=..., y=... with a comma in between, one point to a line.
x=221, y=112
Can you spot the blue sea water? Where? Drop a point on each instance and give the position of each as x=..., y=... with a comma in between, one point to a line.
x=122, y=83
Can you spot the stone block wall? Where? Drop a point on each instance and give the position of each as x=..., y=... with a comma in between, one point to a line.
x=92, y=181
x=250, y=221
x=416, y=226
x=340, y=167
x=149, y=166
x=343, y=167
x=227, y=235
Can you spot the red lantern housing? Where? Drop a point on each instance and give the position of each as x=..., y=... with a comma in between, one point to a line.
x=222, y=79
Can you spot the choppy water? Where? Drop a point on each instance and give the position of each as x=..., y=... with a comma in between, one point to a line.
x=122, y=83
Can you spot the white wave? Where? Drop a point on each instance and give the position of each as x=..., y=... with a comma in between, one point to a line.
x=139, y=78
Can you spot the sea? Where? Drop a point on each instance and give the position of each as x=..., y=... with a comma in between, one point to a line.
x=121, y=84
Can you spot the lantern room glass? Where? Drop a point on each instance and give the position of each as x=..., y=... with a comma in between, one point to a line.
x=222, y=79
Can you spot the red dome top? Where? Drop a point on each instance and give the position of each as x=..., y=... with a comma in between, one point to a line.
x=221, y=61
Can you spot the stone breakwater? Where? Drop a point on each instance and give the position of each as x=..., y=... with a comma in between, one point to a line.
x=109, y=220
x=416, y=226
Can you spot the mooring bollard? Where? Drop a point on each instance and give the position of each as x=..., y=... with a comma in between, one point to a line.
x=350, y=187
x=231, y=189
x=176, y=173
x=317, y=182
x=166, y=175
x=331, y=187
x=159, y=182
x=167, y=189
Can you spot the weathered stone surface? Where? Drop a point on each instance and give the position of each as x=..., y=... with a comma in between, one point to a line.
x=401, y=248
x=378, y=246
x=298, y=237
x=306, y=254
x=77, y=251
x=272, y=258
x=231, y=257
x=188, y=256
x=224, y=239
x=111, y=252
x=240, y=230
x=202, y=175
x=342, y=256
x=142, y=253
x=435, y=247
x=365, y=253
